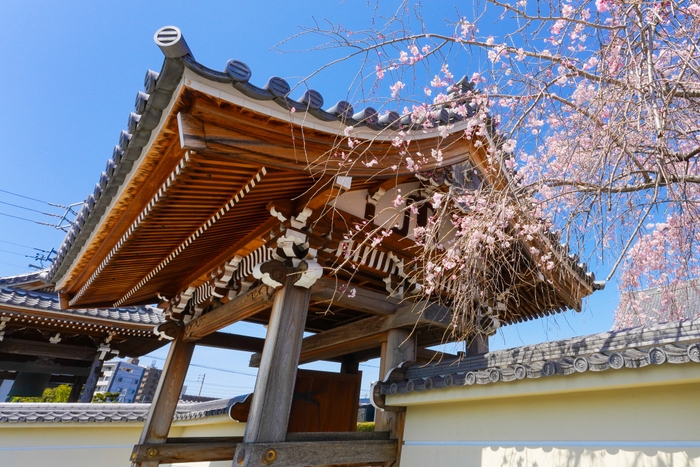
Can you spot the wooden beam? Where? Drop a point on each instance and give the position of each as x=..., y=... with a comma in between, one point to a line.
x=369, y=332
x=228, y=341
x=274, y=149
x=31, y=367
x=160, y=416
x=368, y=301
x=170, y=453
x=241, y=307
x=477, y=345
x=222, y=448
x=45, y=349
x=92, y=378
x=324, y=348
x=274, y=386
x=316, y=453
x=75, y=389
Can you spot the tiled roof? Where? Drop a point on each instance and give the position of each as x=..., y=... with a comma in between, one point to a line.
x=188, y=411
x=157, y=95
x=72, y=412
x=47, y=301
x=676, y=342
x=27, y=277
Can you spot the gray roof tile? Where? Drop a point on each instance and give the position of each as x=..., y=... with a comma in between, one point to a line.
x=676, y=342
x=47, y=301
x=103, y=413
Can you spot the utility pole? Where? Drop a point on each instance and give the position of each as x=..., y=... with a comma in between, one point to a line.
x=201, y=378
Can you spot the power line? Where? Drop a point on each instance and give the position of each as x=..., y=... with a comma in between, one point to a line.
x=11, y=264
x=24, y=246
x=28, y=220
x=14, y=253
x=34, y=199
x=30, y=209
x=211, y=368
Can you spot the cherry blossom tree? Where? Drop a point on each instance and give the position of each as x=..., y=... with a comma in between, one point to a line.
x=592, y=108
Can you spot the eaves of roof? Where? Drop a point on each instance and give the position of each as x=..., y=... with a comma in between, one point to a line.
x=159, y=91
x=151, y=109
x=16, y=299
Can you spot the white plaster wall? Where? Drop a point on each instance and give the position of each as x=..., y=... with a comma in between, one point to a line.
x=95, y=444
x=639, y=424
x=67, y=444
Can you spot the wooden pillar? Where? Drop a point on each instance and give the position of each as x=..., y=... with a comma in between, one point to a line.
x=78, y=382
x=160, y=417
x=274, y=386
x=477, y=345
x=91, y=383
x=400, y=346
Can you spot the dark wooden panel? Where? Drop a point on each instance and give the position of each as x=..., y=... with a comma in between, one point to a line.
x=45, y=349
x=325, y=402
x=322, y=402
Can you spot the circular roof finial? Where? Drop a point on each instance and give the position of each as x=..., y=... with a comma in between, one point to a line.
x=171, y=42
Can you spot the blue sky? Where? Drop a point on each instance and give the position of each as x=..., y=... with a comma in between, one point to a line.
x=69, y=73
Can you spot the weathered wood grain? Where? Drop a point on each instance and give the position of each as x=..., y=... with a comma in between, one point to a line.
x=167, y=453
x=44, y=349
x=242, y=307
x=92, y=377
x=228, y=341
x=274, y=386
x=318, y=453
x=368, y=333
x=368, y=301
x=222, y=134
x=160, y=416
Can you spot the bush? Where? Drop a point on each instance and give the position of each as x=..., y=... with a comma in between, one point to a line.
x=365, y=426
x=57, y=394
x=101, y=397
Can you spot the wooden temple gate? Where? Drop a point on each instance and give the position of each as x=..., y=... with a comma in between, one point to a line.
x=224, y=202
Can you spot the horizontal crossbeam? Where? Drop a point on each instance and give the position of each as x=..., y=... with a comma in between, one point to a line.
x=222, y=448
x=242, y=307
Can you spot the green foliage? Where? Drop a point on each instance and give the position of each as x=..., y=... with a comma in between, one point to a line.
x=58, y=394
x=365, y=426
x=101, y=397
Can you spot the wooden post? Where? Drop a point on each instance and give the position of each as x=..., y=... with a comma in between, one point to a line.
x=78, y=382
x=91, y=383
x=400, y=346
x=274, y=386
x=160, y=417
x=477, y=345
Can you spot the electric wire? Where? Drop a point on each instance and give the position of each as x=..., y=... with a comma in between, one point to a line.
x=24, y=246
x=30, y=209
x=28, y=220
x=34, y=199
x=14, y=253
x=209, y=367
